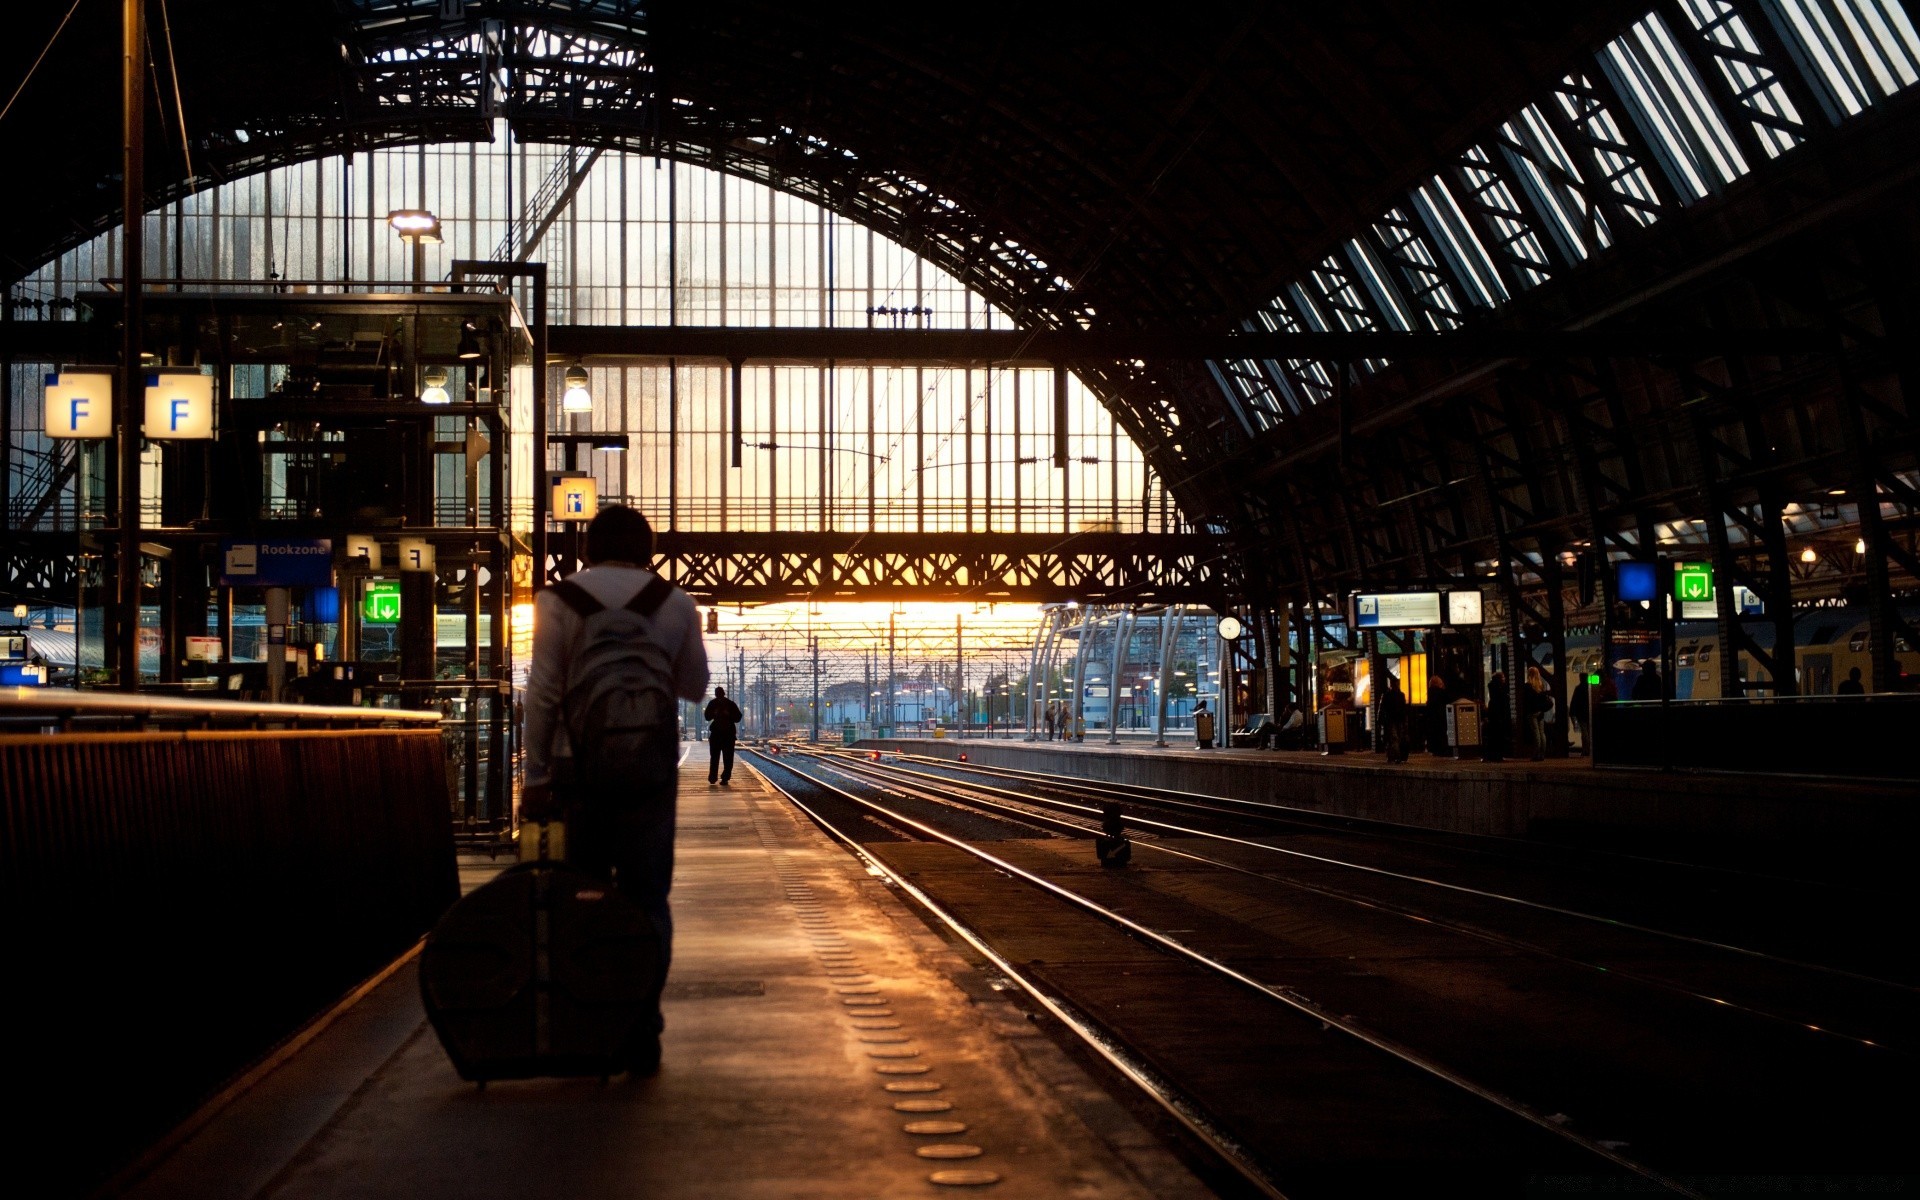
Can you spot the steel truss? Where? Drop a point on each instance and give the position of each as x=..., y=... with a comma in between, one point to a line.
x=1093, y=568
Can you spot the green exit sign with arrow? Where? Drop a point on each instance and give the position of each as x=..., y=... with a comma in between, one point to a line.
x=381, y=602
x=1693, y=581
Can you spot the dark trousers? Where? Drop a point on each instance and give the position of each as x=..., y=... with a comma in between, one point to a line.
x=632, y=847
x=720, y=760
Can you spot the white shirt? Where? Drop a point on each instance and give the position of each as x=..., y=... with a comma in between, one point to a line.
x=676, y=626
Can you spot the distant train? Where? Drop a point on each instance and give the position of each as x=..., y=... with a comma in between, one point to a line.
x=1828, y=644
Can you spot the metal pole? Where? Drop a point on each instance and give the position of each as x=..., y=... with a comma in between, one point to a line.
x=1122, y=631
x=1043, y=635
x=1080, y=673
x=816, y=686
x=126, y=582
x=890, y=708
x=959, y=680
x=1170, y=619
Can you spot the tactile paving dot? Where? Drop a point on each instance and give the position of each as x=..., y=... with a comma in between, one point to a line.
x=860, y=989
x=906, y=1086
x=864, y=1024
x=964, y=1177
x=944, y=1128
x=902, y=1068
x=893, y=1052
x=949, y=1150
x=882, y=1038
x=922, y=1106
x=862, y=1001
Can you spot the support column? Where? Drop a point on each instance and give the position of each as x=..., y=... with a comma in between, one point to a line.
x=1170, y=618
x=1077, y=708
x=1122, y=631
x=125, y=651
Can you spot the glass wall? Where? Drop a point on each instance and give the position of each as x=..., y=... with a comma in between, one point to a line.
x=630, y=239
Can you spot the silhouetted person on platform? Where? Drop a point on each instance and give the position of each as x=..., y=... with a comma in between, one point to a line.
x=1435, y=717
x=723, y=729
x=1649, y=686
x=1496, y=739
x=1851, y=685
x=1393, y=721
x=620, y=826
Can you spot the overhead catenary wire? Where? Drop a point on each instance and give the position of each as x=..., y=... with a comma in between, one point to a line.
x=37, y=61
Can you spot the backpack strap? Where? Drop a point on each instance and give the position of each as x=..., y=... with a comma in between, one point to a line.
x=648, y=599
x=577, y=597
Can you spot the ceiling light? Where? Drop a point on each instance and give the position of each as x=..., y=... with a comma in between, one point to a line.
x=576, y=398
x=435, y=392
x=1807, y=555
x=1860, y=546
x=469, y=342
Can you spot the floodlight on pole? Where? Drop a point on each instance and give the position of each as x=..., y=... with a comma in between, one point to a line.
x=416, y=226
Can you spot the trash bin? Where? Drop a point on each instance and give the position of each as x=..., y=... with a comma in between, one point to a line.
x=849, y=734
x=1463, y=728
x=1333, y=731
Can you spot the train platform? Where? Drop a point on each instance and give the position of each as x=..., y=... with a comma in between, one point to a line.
x=1705, y=816
x=821, y=1040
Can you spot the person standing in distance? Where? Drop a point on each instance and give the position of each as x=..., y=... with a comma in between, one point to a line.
x=617, y=830
x=723, y=729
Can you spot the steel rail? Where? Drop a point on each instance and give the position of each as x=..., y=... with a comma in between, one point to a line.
x=1537, y=905
x=1463, y=928
x=1139, y=1073
x=1298, y=1003
x=1320, y=819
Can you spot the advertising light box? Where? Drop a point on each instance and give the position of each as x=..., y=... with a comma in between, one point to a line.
x=1397, y=610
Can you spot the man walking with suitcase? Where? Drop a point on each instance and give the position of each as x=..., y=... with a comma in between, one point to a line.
x=614, y=646
x=723, y=729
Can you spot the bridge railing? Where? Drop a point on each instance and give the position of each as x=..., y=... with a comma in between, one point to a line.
x=192, y=881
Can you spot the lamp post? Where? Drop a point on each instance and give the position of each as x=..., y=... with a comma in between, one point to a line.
x=418, y=227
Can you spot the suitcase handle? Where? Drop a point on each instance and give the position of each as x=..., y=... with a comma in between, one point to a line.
x=548, y=845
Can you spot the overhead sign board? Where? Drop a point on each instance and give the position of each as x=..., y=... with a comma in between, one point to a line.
x=1693, y=582
x=1635, y=581
x=203, y=649
x=179, y=407
x=79, y=404
x=380, y=603
x=416, y=554
x=360, y=545
x=282, y=562
x=1397, y=610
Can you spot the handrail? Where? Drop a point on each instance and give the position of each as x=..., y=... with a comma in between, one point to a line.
x=18, y=704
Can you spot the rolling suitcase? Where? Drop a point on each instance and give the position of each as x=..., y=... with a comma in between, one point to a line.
x=543, y=971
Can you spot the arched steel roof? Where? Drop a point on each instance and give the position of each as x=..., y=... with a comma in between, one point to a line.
x=1368, y=166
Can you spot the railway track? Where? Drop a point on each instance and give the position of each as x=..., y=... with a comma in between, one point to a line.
x=1504, y=1029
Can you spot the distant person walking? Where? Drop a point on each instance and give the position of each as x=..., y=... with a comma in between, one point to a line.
x=1577, y=710
x=1053, y=717
x=1851, y=685
x=723, y=729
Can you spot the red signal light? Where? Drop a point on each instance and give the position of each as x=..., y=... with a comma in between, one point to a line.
x=963, y=756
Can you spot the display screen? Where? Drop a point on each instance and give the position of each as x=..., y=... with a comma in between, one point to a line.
x=1636, y=581
x=1396, y=610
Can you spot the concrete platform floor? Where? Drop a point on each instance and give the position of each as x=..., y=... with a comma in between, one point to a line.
x=812, y=1021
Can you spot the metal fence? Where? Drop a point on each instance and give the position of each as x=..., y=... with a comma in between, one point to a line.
x=191, y=882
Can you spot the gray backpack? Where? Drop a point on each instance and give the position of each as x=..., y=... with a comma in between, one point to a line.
x=618, y=707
